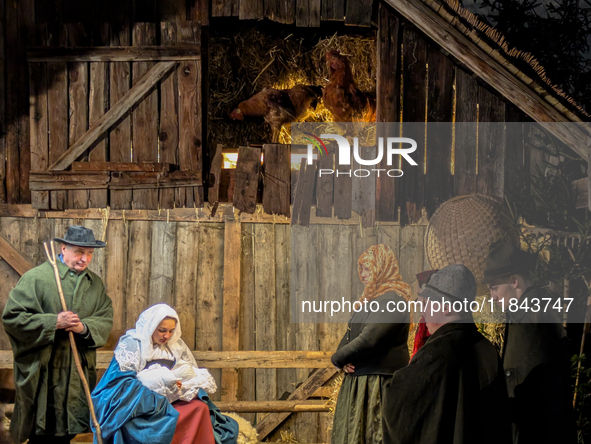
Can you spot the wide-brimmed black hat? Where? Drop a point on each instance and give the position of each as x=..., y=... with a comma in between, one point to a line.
x=81, y=237
x=505, y=259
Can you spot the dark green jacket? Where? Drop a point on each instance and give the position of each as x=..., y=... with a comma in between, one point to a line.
x=376, y=343
x=50, y=399
x=452, y=392
x=537, y=370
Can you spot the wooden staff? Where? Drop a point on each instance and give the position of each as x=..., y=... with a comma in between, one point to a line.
x=58, y=281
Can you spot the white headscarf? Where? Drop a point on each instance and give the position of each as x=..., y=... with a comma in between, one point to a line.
x=130, y=358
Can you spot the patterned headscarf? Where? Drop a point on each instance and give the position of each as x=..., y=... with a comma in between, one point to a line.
x=384, y=273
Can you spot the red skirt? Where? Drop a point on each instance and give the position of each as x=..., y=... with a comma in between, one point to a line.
x=194, y=423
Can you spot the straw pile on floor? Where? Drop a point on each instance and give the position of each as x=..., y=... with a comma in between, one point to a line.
x=243, y=63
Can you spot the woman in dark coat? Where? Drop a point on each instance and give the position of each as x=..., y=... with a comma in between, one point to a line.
x=373, y=348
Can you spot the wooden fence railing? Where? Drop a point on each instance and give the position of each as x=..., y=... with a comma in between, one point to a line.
x=278, y=410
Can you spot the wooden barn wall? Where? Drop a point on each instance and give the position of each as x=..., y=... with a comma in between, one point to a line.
x=182, y=263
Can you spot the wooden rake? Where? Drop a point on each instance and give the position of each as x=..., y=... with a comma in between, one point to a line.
x=52, y=260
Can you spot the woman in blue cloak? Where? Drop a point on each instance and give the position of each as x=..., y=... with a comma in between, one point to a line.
x=154, y=392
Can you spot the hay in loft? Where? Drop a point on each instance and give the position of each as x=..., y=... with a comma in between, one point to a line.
x=243, y=63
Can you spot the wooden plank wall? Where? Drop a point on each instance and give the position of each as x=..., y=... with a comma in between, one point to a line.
x=182, y=264
x=60, y=85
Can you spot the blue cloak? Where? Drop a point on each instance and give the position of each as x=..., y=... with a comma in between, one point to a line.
x=130, y=413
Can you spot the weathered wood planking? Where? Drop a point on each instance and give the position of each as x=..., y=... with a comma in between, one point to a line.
x=246, y=377
x=138, y=270
x=217, y=161
x=250, y=9
x=307, y=13
x=10, y=135
x=78, y=106
x=412, y=247
x=265, y=307
x=247, y=179
x=412, y=187
x=162, y=265
x=358, y=13
x=98, y=104
x=439, y=181
x=388, y=104
x=38, y=115
x=26, y=27
x=276, y=179
x=57, y=103
x=342, y=190
x=325, y=184
x=168, y=134
x=208, y=312
x=172, y=10
x=285, y=328
x=10, y=254
x=515, y=178
x=363, y=188
x=120, y=135
x=116, y=270
x=304, y=195
x=224, y=8
x=2, y=106
x=465, y=143
x=491, y=144
x=116, y=54
x=185, y=277
x=333, y=10
x=282, y=11
x=231, y=305
x=190, y=114
x=11, y=230
x=145, y=116
x=305, y=284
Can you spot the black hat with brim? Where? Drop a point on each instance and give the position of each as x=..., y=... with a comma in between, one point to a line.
x=504, y=260
x=80, y=237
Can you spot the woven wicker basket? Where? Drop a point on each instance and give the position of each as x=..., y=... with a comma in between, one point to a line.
x=461, y=230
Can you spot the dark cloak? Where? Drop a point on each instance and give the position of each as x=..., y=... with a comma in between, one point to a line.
x=452, y=392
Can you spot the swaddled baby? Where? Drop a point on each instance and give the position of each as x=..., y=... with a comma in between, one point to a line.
x=182, y=382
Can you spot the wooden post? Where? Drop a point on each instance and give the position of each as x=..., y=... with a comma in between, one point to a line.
x=231, y=307
x=247, y=179
x=276, y=179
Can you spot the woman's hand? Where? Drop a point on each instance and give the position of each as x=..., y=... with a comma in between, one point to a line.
x=349, y=368
x=179, y=384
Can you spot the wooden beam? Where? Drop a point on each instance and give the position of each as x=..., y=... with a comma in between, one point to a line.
x=273, y=406
x=123, y=166
x=493, y=73
x=304, y=391
x=14, y=258
x=154, y=180
x=115, y=54
x=233, y=359
x=223, y=213
x=231, y=305
x=111, y=117
x=67, y=180
x=247, y=179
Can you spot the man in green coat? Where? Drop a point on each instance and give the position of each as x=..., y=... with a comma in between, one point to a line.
x=535, y=356
x=50, y=405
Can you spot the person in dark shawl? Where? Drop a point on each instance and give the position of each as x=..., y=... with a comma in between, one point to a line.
x=453, y=390
x=535, y=354
x=154, y=392
x=374, y=346
x=50, y=405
